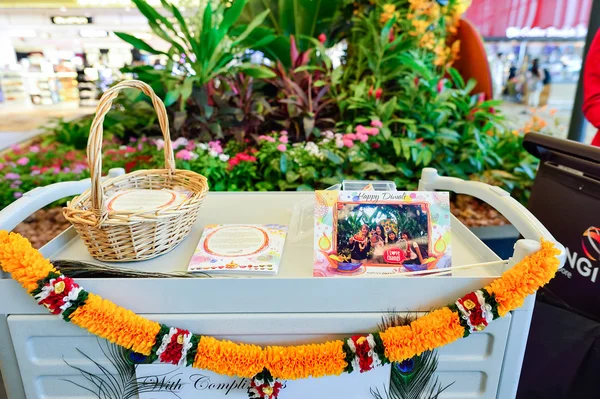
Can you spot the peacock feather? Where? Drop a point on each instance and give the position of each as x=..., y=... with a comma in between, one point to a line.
x=412, y=378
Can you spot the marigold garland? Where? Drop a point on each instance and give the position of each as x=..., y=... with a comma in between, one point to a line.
x=524, y=278
x=302, y=361
x=125, y=328
x=229, y=358
x=22, y=261
x=118, y=325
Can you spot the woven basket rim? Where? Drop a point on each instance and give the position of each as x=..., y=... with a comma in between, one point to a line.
x=75, y=206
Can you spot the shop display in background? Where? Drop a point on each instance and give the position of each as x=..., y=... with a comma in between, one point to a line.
x=12, y=88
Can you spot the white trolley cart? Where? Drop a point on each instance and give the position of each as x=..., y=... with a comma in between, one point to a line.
x=291, y=307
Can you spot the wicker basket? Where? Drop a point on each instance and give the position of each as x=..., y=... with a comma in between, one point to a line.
x=125, y=235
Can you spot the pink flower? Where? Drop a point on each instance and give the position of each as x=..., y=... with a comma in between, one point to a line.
x=16, y=184
x=350, y=136
x=132, y=139
x=23, y=161
x=215, y=146
x=322, y=38
x=12, y=176
x=66, y=170
x=56, y=170
x=1, y=166
x=160, y=144
x=282, y=147
x=339, y=143
x=329, y=134
x=284, y=132
x=376, y=123
x=34, y=148
x=440, y=85
x=18, y=194
x=79, y=168
x=180, y=142
x=373, y=131
x=144, y=139
x=184, y=154
x=284, y=139
x=361, y=129
x=140, y=146
x=362, y=137
x=34, y=173
x=15, y=147
x=348, y=143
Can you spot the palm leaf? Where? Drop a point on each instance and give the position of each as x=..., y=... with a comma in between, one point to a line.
x=138, y=43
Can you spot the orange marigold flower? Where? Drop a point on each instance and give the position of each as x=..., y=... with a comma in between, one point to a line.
x=552, y=111
x=25, y=263
x=389, y=11
x=228, y=358
x=432, y=331
x=294, y=362
x=116, y=324
x=525, y=278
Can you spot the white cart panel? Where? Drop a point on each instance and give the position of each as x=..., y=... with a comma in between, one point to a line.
x=44, y=343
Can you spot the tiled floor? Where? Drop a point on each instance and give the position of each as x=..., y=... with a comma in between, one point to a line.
x=21, y=123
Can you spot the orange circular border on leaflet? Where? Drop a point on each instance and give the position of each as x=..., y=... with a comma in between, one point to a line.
x=113, y=199
x=264, y=245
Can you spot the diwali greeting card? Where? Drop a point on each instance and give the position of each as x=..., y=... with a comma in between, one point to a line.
x=381, y=233
x=239, y=248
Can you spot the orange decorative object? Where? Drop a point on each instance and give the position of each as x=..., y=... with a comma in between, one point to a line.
x=125, y=328
x=472, y=60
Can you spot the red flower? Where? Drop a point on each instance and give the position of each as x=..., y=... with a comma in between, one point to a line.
x=375, y=145
x=391, y=36
x=440, y=85
x=173, y=351
x=370, y=91
x=470, y=303
x=378, y=93
x=61, y=287
x=363, y=352
x=416, y=81
x=322, y=38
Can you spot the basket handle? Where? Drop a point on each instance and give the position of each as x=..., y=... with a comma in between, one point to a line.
x=94, y=147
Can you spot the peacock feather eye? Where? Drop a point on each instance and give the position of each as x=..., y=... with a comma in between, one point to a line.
x=406, y=366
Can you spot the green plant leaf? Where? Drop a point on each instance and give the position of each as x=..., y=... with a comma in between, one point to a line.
x=333, y=157
x=257, y=71
x=172, y=96
x=291, y=176
x=397, y=146
x=251, y=26
x=283, y=163
x=138, y=43
x=232, y=15
x=364, y=167
x=456, y=78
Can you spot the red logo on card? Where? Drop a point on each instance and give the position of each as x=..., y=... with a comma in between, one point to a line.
x=394, y=255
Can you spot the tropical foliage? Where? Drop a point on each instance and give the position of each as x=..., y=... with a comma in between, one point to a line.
x=298, y=95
